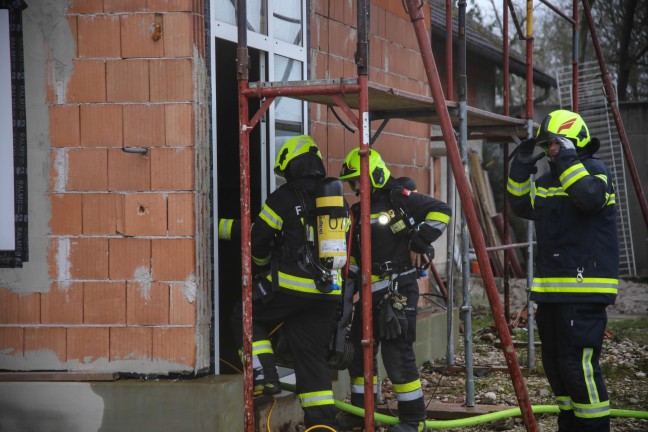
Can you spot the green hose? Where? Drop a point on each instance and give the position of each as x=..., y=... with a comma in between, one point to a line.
x=471, y=421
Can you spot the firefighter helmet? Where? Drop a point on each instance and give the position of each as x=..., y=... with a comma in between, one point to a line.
x=563, y=123
x=299, y=157
x=377, y=168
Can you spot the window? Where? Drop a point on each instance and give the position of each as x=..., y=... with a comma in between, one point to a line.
x=13, y=138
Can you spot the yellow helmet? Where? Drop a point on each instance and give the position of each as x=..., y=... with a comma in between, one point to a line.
x=563, y=123
x=377, y=168
x=302, y=149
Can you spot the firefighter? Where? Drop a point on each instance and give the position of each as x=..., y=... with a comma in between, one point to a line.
x=290, y=293
x=576, y=278
x=404, y=225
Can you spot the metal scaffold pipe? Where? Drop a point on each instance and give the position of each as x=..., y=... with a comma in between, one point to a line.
x=612, y=100
x=417, y=18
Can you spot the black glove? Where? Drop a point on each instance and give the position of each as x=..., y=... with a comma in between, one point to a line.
x=525, y=151
x=419, y=245
x=392, y=322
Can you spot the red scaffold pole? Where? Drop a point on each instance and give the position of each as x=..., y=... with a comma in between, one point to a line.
x=476, y=234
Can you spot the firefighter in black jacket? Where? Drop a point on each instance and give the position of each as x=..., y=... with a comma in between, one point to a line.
x=291, y=292
x=404, y=225
x=576, y=276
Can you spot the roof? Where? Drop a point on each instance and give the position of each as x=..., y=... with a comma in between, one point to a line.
x=481, y=42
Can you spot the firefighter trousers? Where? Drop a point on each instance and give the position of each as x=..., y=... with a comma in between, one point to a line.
x=572, y=336
x=398, y=358
x=308, y=326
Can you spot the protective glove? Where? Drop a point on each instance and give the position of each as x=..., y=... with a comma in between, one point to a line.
x=418, y=244
x=392, y=320
x=524, y=151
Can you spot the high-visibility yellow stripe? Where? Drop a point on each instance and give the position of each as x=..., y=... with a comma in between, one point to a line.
x=409, y=391
x=304, y=285
x=403, y=388
x=261, y=261
x=588, y=375
x=270, y=217
x=570, y=285
x=602, y=177
x=572, y=174
x=518, y=189
x=225, y=229
x=319, y=398
x=564, y=403
x=593, y=410
x=438, y=216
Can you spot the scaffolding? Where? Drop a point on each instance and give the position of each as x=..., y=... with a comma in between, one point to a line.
x=387, y=103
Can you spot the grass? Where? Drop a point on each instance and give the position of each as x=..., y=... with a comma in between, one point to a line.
x=635, y=329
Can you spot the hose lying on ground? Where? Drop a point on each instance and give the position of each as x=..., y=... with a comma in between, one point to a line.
x=471, y=421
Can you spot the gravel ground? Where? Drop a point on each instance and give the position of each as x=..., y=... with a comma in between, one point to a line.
x=624, y=362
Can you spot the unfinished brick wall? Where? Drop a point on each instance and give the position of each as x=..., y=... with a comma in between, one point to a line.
x=127, y=230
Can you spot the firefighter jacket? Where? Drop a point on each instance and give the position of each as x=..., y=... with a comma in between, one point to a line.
x=573, y=206
x=401, y=221
x=279, y=241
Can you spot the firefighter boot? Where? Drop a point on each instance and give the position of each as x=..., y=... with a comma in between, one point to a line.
x=350, y=423
x=409, y=427
x=264, y=387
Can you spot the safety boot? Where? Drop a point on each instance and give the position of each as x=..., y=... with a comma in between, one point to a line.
x=266, y=389
x=348, y=422
x=409, y=427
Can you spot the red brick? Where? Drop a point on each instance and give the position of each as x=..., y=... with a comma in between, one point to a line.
x=46, y=339
x=66, y=214
x=99, y=214
x=181, y=214
x=64, y=125
x=98, y=36
x=145, y=215
x=89, y=258
x=144, y=125
x=182, y=308
x=88, y=82
x=172, y=169
x=87, y=169
x=101, y=126
x=104, y=302
x=112, y=6
x=179, y=125
x=173, y=259
x=175, y=345
x=127, y=81
x=74, y=29
x=171, y=80
x=147, y=303
x=136, y=32
x=131, y=343
x=12, y=341
x=85, y=7
x=63, y=304
x=128, y=171
x=88, y=344
x=170, y=5
x=19, y=308
x=130, y=258
x=177, y=34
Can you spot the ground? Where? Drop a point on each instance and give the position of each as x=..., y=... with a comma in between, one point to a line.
x=624, y=362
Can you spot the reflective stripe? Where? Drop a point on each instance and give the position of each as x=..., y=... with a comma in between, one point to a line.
x=438, y=216
x=588, y=375
x=438, y=225
x=319, y=398
x=261, y=261
x=409, y=391
x=564, y=403
x=398, y=226
x=602, y=177
x=357, y=385
x=300, y=284
x=262, y=347
x=570, y=285
x=552, y=191
x=572, y=174
x=595, y=410
x=270, y=217
x=611, y=198
x=378, y=284
x=518, y=189
x=225, y=229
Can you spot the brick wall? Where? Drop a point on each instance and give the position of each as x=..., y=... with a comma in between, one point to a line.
x=127, y=231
